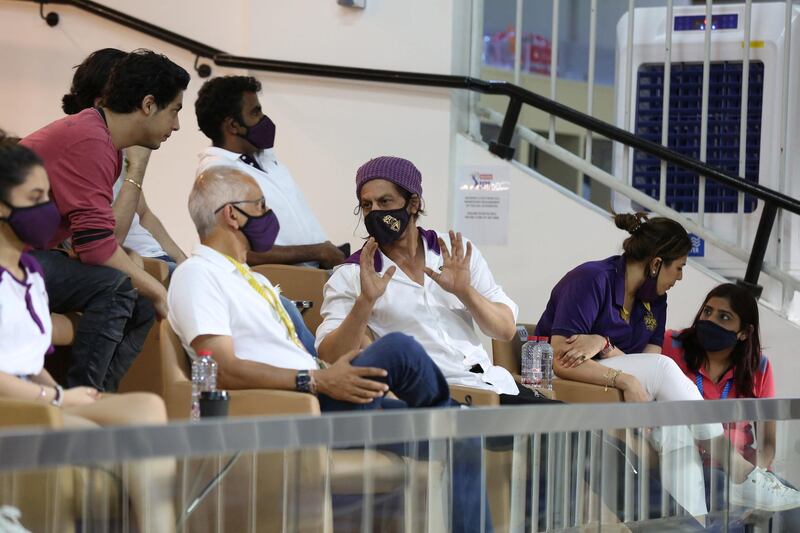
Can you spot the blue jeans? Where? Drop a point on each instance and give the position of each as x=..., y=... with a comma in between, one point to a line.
x=418, y=382
x=114, y=323
x=303, y=333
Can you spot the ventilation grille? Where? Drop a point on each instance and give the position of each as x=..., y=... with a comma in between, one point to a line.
x=685, y=104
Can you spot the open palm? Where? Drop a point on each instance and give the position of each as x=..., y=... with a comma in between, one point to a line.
x=373, y=285
x=454, y=276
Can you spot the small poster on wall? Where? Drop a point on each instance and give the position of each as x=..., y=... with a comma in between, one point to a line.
x=482, y=203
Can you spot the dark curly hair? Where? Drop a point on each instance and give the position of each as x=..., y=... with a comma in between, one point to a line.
x=16, y=161
x=650, y=238
x=140, y=73
x=220, y=98
x=746, y=354
x=89, y=80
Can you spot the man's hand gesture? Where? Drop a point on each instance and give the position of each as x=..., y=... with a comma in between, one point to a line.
x=373, y=285
x=454, y=275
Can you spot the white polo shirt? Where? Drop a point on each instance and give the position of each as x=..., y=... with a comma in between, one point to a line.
x=298, y=224
x=208, y=296
x=26, y=331
x=434, y=317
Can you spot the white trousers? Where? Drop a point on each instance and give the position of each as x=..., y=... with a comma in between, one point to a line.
x=681, y=467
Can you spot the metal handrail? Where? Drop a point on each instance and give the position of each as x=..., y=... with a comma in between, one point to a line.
x=502, y=146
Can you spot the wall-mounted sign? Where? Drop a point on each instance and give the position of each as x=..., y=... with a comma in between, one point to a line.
x=482, y=202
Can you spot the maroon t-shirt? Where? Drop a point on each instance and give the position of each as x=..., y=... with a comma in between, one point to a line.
x=82, y=164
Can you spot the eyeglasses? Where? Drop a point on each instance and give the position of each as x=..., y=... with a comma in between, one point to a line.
x=261, y=203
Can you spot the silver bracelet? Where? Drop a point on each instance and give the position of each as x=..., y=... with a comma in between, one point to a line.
x=42, y=393
x=59, y=397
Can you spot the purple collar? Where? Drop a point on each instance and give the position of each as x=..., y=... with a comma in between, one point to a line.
x=28, y=264
x=430, y=237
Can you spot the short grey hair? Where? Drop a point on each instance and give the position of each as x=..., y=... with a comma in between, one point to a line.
x=213, y=188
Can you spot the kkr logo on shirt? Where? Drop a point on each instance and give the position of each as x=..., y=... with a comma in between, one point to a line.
x=392, y=223
x=650, y=322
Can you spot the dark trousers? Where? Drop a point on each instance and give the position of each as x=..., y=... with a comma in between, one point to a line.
x=114, y=323
x=418, y=382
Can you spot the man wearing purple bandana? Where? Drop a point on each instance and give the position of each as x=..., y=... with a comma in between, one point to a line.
x=217, y=303
x=433, y=286
x=243, y=137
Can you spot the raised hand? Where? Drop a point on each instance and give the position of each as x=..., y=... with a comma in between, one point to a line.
x=373, y=285
x=454, y=276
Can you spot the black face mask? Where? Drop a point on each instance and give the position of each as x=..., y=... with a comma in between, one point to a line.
x=713, y=337
x=387, y=226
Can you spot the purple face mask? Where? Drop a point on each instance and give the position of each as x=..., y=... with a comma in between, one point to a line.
x=34, y=225
x=648, y=292
x=260, y=231
x=262, y=134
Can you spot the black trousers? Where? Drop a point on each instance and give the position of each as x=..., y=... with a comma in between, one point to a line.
x=114, y=323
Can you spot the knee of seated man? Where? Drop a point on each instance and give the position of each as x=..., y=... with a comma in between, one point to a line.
x=405, y=345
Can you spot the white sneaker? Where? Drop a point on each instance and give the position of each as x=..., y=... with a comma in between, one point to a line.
x=762, y=490
x=9, y=520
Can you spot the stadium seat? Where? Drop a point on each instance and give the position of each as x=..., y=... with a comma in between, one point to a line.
x=318, y=473
x=55, y=499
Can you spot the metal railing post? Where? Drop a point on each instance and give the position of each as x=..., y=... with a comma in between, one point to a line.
x=502, y=146
x=760, y=244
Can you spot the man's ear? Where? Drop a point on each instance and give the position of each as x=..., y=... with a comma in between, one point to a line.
x=149, y=106
x=231, y=125
x=414, y=204
x=229, y=217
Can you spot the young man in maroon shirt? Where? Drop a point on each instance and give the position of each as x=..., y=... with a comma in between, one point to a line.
x=82, y=156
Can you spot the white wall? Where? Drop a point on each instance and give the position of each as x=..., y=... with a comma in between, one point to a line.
x=325, y=128
x=549, y=234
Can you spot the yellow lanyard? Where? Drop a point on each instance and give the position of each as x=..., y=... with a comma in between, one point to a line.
x=271, y=298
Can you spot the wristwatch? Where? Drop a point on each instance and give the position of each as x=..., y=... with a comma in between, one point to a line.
x=302, y=382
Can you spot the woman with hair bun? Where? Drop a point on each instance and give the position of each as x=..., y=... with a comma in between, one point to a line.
x=617, y=306
x=606, y=322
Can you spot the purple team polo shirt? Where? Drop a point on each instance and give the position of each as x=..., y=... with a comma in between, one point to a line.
x=589, y=299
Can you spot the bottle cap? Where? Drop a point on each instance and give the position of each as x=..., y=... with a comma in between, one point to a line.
x=204, y=353
x=532, y=338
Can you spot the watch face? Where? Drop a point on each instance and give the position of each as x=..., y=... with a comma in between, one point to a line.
x=303, y=381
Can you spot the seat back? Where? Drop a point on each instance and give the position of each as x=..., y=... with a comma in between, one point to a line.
x=299, y=283
x=175, y=373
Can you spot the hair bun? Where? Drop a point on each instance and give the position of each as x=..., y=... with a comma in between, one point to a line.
x=630, y=222
x=70, y=104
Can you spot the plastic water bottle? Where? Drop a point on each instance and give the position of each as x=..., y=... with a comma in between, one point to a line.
x=531, y=363
x=545, y=352
x=204, y=378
